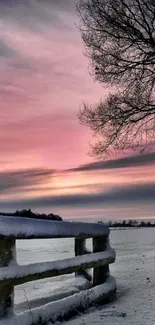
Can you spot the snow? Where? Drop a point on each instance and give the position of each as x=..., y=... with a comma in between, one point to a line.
x=37, y=293
x=134, y=271
x=20, y=271
x=18, y=227
x=54, y=311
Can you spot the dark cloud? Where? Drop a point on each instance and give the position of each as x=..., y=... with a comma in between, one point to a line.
x=132, y=161
x=16, y=179
x=23, y=64
x=61, y=4
x=57, y=4
x=143, y=193
x=6, y=51
x=31, y=14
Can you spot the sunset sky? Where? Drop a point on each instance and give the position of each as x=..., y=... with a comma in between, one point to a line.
x=44, y=162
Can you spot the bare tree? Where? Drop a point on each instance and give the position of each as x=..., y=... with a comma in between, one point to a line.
x=119, y=36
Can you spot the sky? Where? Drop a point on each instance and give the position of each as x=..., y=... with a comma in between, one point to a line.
x=44, y=163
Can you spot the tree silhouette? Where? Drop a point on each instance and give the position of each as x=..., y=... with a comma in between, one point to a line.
x=30, y=214
x=119, y=37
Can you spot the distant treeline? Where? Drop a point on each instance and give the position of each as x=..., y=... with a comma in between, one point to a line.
x=30, y=214
x=130, y=223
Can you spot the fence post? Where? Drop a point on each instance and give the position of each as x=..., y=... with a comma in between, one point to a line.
x=100, y=273
x=80, y=249
x=7, y=254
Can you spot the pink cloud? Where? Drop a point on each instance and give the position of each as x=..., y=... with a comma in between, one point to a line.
x=42, y=87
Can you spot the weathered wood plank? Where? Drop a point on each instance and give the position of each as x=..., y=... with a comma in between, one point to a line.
x=101, y=272
x=7, y=249
x=21, y=274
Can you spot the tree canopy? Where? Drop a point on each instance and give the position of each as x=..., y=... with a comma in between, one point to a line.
x=30, y=214
x=119, y=37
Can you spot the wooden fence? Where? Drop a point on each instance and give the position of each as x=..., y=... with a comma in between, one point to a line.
x=11, y=274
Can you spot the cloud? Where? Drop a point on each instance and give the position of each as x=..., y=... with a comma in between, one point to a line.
x=6, y=50
x=27, y=177
x=132, y=161
x=143, y=193
x=31, y=14
x=22, y=22
x=39, y=41
x=43, y=71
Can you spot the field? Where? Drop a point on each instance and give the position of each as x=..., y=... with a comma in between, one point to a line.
x=134, y=271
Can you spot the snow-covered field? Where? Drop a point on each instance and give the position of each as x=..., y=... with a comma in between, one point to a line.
x=134, y=271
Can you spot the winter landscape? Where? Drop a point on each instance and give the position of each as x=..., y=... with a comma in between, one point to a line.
x=133, y=270
x=77, y=162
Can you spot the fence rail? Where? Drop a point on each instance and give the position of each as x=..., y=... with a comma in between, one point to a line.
x=11, y=274
x=24, y=228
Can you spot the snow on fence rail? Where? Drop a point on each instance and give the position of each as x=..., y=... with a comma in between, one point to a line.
x=11, y=274
x=24, y=228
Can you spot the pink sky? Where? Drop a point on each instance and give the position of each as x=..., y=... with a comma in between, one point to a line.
x=44, y=81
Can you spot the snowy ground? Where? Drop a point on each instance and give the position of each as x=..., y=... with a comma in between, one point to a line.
x=135, y=274
x=134, y=271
